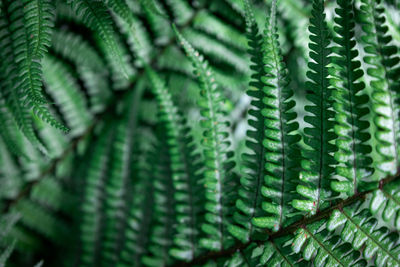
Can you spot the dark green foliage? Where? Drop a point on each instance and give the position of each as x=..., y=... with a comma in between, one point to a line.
x=318, y=160
x=382, y=58
x=183, y=149
x=219, y=181
x=354, y=162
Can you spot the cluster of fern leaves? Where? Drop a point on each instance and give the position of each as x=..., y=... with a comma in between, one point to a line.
x=199, y=133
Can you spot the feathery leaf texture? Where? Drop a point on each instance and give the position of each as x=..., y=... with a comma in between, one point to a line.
x=318, y=160
x=95, y=15
x=382, y=58
x=354, y=161
x=280, y=141
x=92, y=220
x=385, y=202
x=183, y=171
x=162, y=230
x=215, y=143
x=363, y=233
x=324, y=248
x=249, y=203
x=63, y=88
x=160, y=117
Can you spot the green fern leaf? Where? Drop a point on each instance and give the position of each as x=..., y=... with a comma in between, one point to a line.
x=38, y=21
x=279, y=140
x=162, y=231
x=94, y=14
x=386, y=202
x=361, y=230
x=318, y=161
x=382, y=58
x=272, y=139
x=137, y=230
x=217, y=178
x=183, y=171
x=277, y=252
x=63, y=88
x=323, y=248
x=153, y=7
x=90, y=67
x=181, y=10
x=91, y=209
x=354, y=162
x=116, y=188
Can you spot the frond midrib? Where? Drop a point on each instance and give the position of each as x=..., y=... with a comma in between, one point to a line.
x=369, y=236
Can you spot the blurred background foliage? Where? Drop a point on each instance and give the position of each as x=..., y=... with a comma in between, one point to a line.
x=93, y=90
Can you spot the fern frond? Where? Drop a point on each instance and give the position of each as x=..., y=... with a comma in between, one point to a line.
x=29, y=46
x=63, y=88
x=280, y=141
x=138, y=38
x=385, y=202
x=354, y=161
x=153, y=7
x=382, y=58
x=38, y=23
x=119, y=79
x=9, y=131
x=277, y=252
x=7, y=221
x=215, y=144
x=267, y=187
x=157, y=19
x=42, y=220
x=163, y=226
x=210, y=24
x=118, y=184
x=95, y=15
x=115, y=193
x=318, y=160
x=324, y=248
x=183, y=172
x=91, y=221
x=133, y=28
x=141, y=205
x=362, y=231
x=75, y=49
x=216, y=50
x=90, y=67
x=181, y=10
x=11, y=91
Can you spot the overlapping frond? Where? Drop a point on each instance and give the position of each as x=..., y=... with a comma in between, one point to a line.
x=324, y=248
x=218, y=179
x=385, y=202
x=382, y=58
x=363, y=232
x=147, y=177
x=353, y=155
x=271, y=169
x=95, y=15
x=119, y=183
x=183, y=170
x=138, y=224
x=90, y=67
x=65, y=91
x=318, y=159
x=163, y=225
x=7, y=221
x=92, y=219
